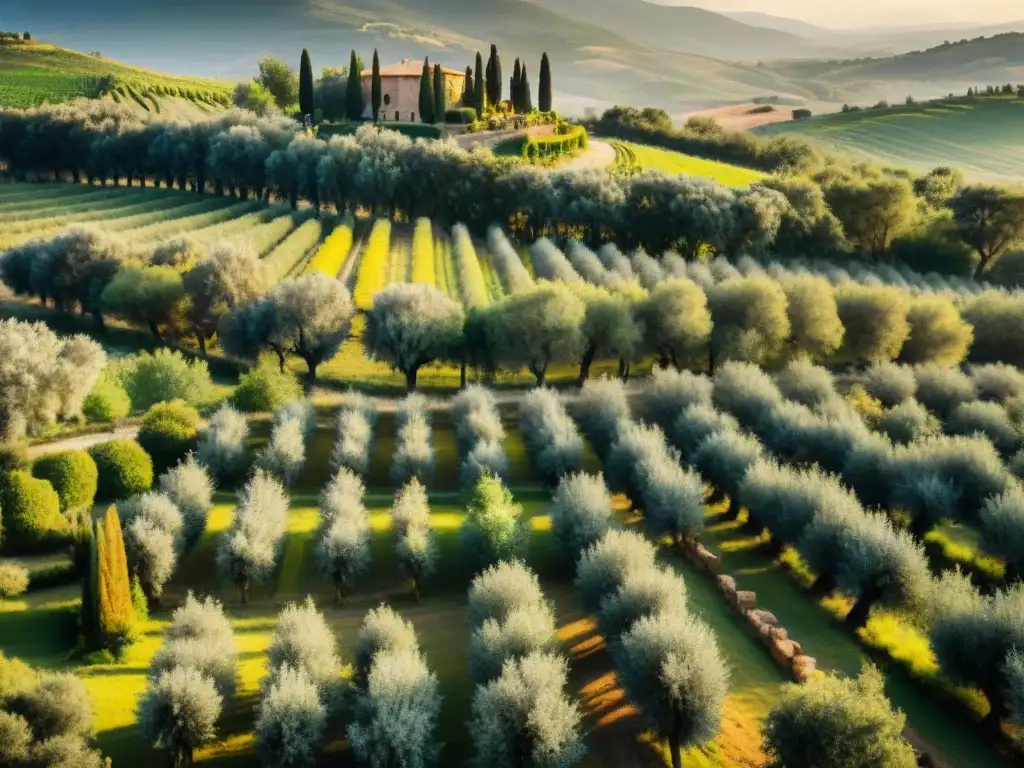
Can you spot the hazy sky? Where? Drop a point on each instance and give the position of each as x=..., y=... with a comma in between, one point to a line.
x=853, y=13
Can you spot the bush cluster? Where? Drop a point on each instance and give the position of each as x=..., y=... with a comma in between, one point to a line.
x=353, y=446
x=414, y=452
x=415, y=543
x=169, y=432
x=343, y=543
x=221, y=447
x=551, y=437
x=479, y=435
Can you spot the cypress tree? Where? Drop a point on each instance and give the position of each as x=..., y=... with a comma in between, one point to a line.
x=494, y=84
x=375, y=87
x=306, y=84
x=544, y=97
x=467, y=89
x=440, y=97
x=514, y=88
x=426, y=94
x=524, y=91
x=113, y=592
x=354, y=104
x=479, y=88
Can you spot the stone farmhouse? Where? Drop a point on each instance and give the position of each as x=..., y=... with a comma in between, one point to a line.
x=400, y=90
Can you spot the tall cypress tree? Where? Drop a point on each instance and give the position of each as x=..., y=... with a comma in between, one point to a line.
x=306, y=84
x=544, y=96
x=524, y=91
x=440, y=97
x=480, y=88
x=112, y=590
x=426, y=93
x=375, y=87
x=494, y=84
x=354, y=104
x=514, y=88
x=467, y=89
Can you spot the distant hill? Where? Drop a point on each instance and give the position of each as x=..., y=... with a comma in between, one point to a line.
x=784, y=24
x=980, y=136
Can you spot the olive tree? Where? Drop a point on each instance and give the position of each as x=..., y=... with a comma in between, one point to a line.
x=972, y=636
x=414, y=452
x=496, y=527
x=677, y=322
x=671, y=669
x=806, y=383
x=643, y=592
x=997, y=319
x=581, y=512
x=189, y=487
x=353, y=447
x=541, y=326
x=314, y=314
x=291, y=721
x=998, y=382
x=746, y=392
x=816, y=330
x=382, y=630
x=304, y=641
x=416, y=544
x=908, y=422
x=603, y=566
x=941, y=389
x=838, y=722
x=178, y=714
x=611, y=328
x=199, y=636
x=525, y=716
x=1002, y=529
x=723, y=460
x=668, y=393
x=410, y=326
x=524, y=630
x=285, y=455
x=600, y=410
x=395, y=719
x=889, y=383
x=552, y=440
x=749, y=320
x=149, y=296
x=221, y=446
x=938, y=334
x=694, y=425
x=1014, y=673
x=875, y=319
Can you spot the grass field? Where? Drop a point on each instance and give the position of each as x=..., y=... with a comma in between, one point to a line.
x=36, y=73
x=644, y=158
x=980, y=138
x=40, y=627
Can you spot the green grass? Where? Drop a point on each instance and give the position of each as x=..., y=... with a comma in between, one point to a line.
x=645, y=158
x=36, y=73
x=981, y=138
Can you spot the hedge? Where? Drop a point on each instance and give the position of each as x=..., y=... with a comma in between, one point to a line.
x=412, y=130
x=125, y=469
x=73, y=475
x=31, y=513
x=169, y=431
x=461, y=116
x=565, y=140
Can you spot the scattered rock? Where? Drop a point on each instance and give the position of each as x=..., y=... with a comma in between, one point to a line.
x=779, y=633
x=727, y=585
x=706, y=560
x=783, y=651
x=804, y=668
x=764, y=617
x=746, y=601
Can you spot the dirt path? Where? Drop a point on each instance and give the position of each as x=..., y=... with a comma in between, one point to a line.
x=599, y=155
x=127, y=432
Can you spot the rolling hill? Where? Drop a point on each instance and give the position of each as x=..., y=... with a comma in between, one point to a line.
x=981, y=137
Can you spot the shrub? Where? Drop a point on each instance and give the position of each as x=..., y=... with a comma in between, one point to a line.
x=875, y=319
x=527, y=705
x=745, y=391
x=749, y=319
x=304, y=641
x=31, y=513
x=382, y=630
x=285, y=455
x=673, y=500
x=997, y=320
x=581, y=512
x=889, y=383
x=222, y=444
x=671, y=669
x=603, y=567
x=552, y=440
x=461, y=116
x=73, y=475
x=501, y=589
x=813, y=316
x=908, y=422
x=124, y=468
x=523, y=631
x=108, y=401
x=496, y=528
x=941, y=390
x=694, y=425
x=395, y=718
x=265, y=388
x=58, y=705
x=168, y=433
x=353, y=447
x=723, y=460
x=13, y=580
x=806, y=383
x=292, y=720
x=414, y=454
x=151, y=555
x=988, y=419
x=165, y=375
x=835, y=722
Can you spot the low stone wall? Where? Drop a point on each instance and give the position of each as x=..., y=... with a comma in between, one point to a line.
x=784, y=650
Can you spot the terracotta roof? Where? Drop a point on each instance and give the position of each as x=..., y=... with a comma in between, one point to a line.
x=409, y=68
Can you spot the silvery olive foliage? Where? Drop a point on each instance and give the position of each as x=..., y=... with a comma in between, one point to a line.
x=998, y=382
x=43, y=378
x=581, y=512
x=178, y=713
x=549, y=263
x=599, y=409
x=248, y=550
x=353, y=446
x=806, y=383
x=746, y=392
x=525, y=714
x=285, y=454
x=343, y=543
x=643, y=592
x=415, y=544
x=941, y=389
x=200, y=637
x=890, y=384
x=304, y=641
x=669, y=393
x=222, y=444
x=382, y=630
x=414, y=451
x=189, y=486
x=479, y=435
x=552, y=439
x=908, y=422
x=603, y=566
x=694, y=425
x=291, y=721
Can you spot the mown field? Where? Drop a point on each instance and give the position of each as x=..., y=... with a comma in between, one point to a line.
x=40, y=626
x=36, y=73
x=981, y=138
x=629, y=156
